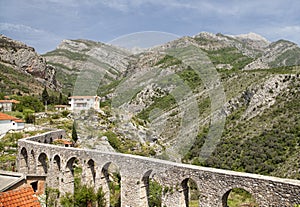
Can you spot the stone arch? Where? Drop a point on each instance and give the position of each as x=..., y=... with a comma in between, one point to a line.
x=90, y=173
x=189, y=193
x=43, y=165
x=23, y=161
x=56, y=167
x=236, y=189
x=111, y=183
x=69, y=174
x=156, y=187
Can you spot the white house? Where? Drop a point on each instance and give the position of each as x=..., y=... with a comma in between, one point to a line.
x=84, y=102
x=6, y=105
x=61, y=107
x=8, y=122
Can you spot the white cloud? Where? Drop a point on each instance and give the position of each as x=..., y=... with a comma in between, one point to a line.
x=18, y=28
x=289, y=32
x=39, y=39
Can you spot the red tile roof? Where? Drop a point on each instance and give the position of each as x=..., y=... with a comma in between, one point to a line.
x=63, y=141
x=8, y=117
x=61, y=106
x=9, y=101
x=23, y=197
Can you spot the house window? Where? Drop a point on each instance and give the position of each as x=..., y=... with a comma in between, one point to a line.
x=34, y=186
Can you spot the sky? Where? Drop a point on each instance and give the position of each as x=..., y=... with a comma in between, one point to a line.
x=43, y=24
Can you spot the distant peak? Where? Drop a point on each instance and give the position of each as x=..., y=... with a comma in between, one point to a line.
x=251, y=36
x=205, y=34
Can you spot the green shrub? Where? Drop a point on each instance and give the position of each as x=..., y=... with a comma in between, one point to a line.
x=155, y=193
x=113, y=140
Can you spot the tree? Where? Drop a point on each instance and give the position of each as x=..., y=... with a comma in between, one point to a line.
x=60, y=99
x=2, y=95
x=74, y=132
x=29, y=116
x=155, y=192
x=83, y=196
x=45, y=96
x=52, y=195
x=29, y=102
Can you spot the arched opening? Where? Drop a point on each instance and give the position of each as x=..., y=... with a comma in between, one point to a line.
x=42, y=167
x=111, y=184
x=56, y=169
x=91, y=173
x=23, y=161
x=190, y=193
x=144, y=189
x=237, y=197
x=154, y=192
x=72, y=175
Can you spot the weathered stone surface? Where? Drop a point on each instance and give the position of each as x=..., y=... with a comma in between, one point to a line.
x=37, y=156
x=24, y=58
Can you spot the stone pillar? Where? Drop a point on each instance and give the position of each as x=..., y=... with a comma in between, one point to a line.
x=32, y=163
x=67, y=181
x=103, y=181
x=209, y=201
x=144, y=191
x=54, y=174
x=172, y=197
x=130, y=191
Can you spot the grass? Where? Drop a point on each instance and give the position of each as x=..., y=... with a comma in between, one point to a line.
x=240, y=197
x=168, y=61
x=13, y=81
x=68, y=54
x=164, y=103
x=229, y=55
x=190, y=77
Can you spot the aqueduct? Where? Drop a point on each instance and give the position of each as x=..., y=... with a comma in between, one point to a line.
x=37, y=156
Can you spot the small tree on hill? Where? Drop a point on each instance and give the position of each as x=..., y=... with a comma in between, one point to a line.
x=74, y=132
x=45, y=96
x=60, y=99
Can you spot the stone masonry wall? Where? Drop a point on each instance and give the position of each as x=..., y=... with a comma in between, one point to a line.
x=37, y=156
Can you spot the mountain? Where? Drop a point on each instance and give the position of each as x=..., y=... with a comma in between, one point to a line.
x=23, y=70
x=73, y=57
x=277, y=54
x=225, y=101
x=151, y=116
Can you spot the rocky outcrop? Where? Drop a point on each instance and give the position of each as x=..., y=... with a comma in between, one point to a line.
x=259, y=97
x=276, y=55
x=250, y=45
x=24, y=58
x=75, y=58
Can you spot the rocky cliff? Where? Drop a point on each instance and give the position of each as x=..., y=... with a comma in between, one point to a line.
x=75, y=58
x=21, y=57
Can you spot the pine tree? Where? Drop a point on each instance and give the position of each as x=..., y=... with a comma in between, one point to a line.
x=74, y=132
x=45, y=96
x=60, y=99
